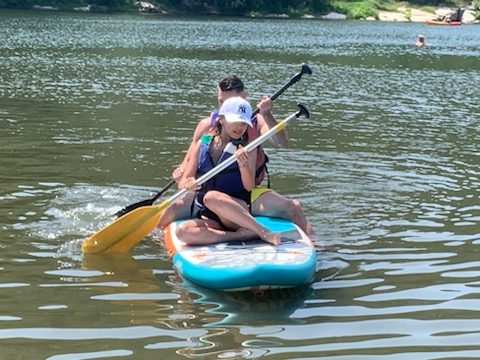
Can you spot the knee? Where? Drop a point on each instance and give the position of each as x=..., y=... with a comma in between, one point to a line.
x=295, y=204
x=293, y=207
x=176, y=210
x=212, y=198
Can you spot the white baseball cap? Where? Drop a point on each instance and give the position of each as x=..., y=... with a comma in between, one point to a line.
x=236, y=109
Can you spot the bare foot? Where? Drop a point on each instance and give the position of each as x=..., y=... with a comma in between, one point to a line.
x=274, y=238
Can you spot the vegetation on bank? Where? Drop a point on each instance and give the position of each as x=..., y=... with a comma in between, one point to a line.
x=106, y=5
x=354, y=9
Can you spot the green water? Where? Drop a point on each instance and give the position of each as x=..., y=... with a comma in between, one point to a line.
x=96, y=110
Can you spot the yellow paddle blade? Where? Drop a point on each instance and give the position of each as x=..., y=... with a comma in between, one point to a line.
x=126, y=231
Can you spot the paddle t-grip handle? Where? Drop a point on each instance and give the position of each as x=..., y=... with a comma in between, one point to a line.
x=304, y=70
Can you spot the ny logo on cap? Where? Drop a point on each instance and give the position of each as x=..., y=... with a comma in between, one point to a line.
x=242, y=109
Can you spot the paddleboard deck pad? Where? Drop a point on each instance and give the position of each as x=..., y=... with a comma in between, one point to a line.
x=246, y=265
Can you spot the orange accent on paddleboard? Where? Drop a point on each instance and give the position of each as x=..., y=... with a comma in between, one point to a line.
x=295, y=252
x=169, y=242
x=199, y=255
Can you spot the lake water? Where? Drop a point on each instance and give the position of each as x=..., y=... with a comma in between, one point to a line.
x=96, y=110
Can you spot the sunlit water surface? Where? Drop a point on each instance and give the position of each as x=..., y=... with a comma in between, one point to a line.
x=96, y=110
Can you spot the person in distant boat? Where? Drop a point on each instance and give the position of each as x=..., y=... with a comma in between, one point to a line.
x=452, y=16
x=222, y=204
x=264, y=201
x=456, y=15
x=420, y=42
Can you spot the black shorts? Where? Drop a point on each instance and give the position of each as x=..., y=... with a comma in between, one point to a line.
x=202, y=212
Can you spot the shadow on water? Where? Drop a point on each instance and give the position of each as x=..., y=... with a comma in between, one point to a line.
x=152, y=286
x=250, y=307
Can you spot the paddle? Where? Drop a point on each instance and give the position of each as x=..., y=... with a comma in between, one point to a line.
x=144, y=202
x=125, y=232
x=304, y=70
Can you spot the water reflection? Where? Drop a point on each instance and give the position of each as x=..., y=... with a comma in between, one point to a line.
x=125, y=279
x=386, y=169
x=142, y=287
x=178, y=308
x=260, y=308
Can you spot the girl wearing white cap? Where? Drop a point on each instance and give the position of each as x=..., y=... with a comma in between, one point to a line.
x=222, y=203
x=264, y=200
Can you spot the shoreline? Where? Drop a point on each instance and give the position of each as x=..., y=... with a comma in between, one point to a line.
x=403, y=14
x=417, y=15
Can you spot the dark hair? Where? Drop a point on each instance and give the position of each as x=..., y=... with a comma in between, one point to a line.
x=231, y=82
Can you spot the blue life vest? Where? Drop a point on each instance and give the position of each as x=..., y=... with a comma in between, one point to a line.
x=229, y=181
x=262, y=158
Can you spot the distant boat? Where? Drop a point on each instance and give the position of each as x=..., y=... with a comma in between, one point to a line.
x=440, y=22
x=453, y=19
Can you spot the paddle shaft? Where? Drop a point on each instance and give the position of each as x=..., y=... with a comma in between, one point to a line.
x=165, y=188
x=147, y=202
x=305, y=70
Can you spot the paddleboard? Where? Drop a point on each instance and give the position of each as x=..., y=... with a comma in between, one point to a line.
x=246, y=265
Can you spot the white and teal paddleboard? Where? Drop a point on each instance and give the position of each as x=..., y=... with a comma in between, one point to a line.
x=244, y=265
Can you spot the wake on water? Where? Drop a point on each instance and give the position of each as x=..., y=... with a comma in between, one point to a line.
x=61, y=217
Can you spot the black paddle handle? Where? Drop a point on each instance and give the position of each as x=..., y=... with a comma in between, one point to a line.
x=305, y=70
x=147, y=202
x=165, y=188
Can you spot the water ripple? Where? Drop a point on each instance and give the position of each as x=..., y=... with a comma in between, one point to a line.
x=386, y=169
x=132, y=332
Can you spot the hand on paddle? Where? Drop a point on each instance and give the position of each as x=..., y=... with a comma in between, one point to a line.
x=246, y=164
x=242, y=157
x=265, y=105
x=189, y=183
x=178, y=173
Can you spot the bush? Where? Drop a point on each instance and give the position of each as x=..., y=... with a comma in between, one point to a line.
x=356, y=10
x=476, y=6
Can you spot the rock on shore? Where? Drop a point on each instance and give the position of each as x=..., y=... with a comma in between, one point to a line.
x=405, y=14
x=416, y=15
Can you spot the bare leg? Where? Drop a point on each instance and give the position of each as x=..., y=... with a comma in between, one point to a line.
x=234, y=214
x=179, y=209
x=273, y=204
x=206, y=232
